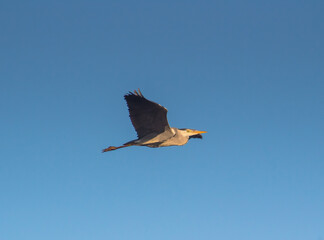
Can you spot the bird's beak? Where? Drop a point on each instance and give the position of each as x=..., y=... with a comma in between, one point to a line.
x=198, y=132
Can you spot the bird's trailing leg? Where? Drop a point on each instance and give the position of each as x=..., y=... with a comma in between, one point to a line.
x=111, y=148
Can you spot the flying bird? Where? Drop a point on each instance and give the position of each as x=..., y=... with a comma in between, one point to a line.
x=151, y=124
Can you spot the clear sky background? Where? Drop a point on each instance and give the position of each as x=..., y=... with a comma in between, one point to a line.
x=251, y=73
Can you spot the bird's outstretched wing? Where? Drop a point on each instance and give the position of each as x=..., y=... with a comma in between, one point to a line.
x=147, y=117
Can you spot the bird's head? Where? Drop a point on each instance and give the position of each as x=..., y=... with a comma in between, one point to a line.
x=191, y=133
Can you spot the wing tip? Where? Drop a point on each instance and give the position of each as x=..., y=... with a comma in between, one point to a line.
x=136, y=93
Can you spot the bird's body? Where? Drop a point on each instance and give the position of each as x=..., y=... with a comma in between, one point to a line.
x=165, y=139
x=150, y=122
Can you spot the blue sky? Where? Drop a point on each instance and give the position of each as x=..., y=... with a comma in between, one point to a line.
x=248, y=72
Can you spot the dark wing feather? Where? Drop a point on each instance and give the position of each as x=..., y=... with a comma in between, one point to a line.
x=147, y=117
x=196, y=136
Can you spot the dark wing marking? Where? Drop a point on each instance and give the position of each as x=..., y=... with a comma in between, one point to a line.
x=146, y=116
x=196, y=136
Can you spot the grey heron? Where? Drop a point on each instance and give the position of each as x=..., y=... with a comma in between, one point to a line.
x=151, y=124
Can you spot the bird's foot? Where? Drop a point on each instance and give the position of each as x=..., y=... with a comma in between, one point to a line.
x=109, y=149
